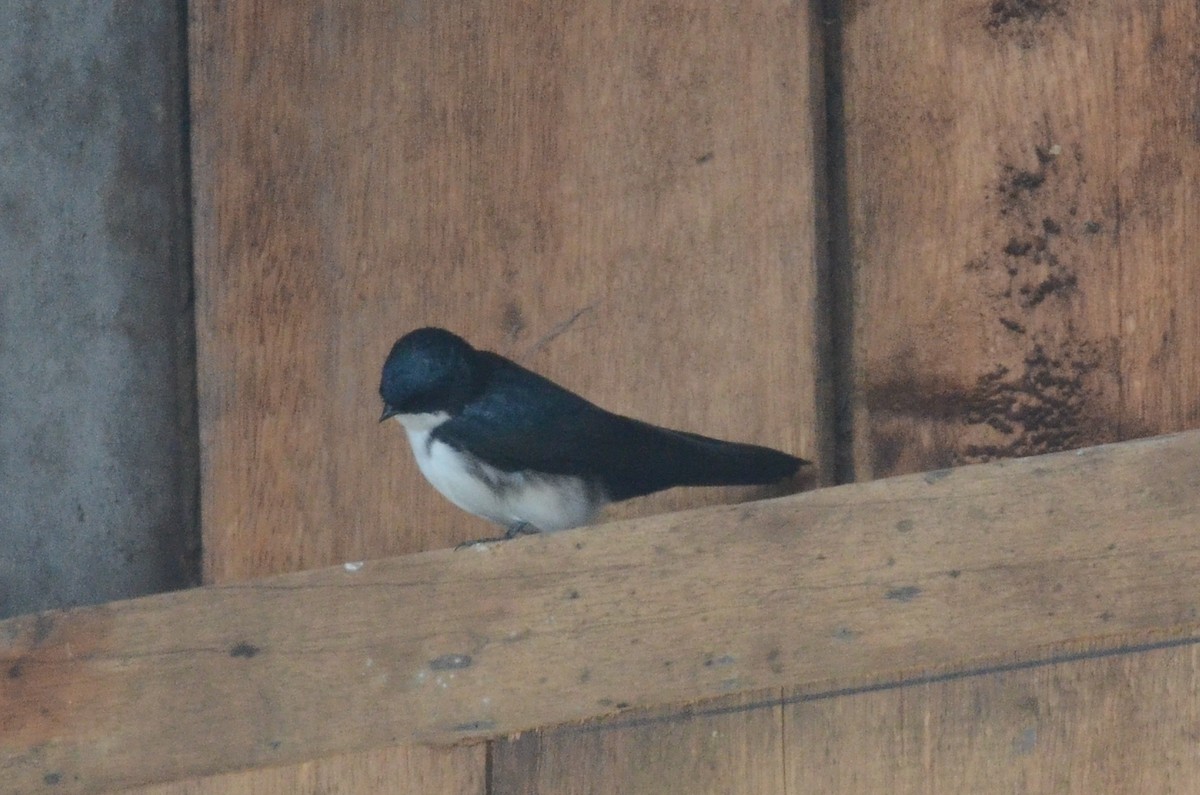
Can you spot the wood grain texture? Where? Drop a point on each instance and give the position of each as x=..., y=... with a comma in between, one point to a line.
x=837, y=587
x=1123, y=723
x=731, y=745
x=620, y=197
x=689, y=210
x=401, y=769
x=1026, y=273
x=1023, y=182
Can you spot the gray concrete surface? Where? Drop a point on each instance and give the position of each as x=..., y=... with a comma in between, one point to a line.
x=97, y=431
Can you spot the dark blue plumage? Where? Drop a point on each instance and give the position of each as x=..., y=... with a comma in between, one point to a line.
x=509, y=428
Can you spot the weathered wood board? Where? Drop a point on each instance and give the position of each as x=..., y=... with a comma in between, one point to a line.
x=830, y=589
x=400, y=769
x=620, y=198
x=1026, y=274
x=1109, y=723
x=728, y=745
x=1023, y=186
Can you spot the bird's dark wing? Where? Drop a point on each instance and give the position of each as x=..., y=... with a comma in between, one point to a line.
x=523, y=421
x=526, y=422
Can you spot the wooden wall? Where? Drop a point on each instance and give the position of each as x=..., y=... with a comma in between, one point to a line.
x=620, y=197
x=629, y=197
x=1023, y=184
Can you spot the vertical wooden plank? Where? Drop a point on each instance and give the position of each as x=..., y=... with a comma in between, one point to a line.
x=620, y=196
x=1158, y=240
x=1022, y=184
x=986, y=312
x=737, y=751
x=1117, y=724
x=580, y=187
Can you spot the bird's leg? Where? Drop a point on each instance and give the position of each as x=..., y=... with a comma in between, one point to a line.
x=514, y=530
x=519, y=529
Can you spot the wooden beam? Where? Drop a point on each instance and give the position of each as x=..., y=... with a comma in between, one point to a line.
x=963, y=568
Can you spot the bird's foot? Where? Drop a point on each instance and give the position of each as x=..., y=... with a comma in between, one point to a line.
x=520, y=529
x=514, y=530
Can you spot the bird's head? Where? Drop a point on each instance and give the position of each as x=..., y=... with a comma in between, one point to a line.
x=429, y=370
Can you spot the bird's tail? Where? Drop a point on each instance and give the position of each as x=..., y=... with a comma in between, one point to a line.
x=712, y=462
x=688, y=459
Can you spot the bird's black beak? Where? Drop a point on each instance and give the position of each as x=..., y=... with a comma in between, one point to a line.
x=388, y=413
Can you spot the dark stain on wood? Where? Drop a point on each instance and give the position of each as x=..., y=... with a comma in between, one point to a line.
x=1021, y=20
x=43, y=625
x=1041, y=408
x=937, y=475
x=451, y=662
x=903, y=593
x=1006, y=12
x=1040, y=393
x=513, y=321
x=1012, y=325
x=475, y=726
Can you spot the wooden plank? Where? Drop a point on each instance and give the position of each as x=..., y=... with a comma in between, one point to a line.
x=1023, y=187
x=1121, y=723
x=1042, y=204
x=947, y=570
x=1157, y=287
x=585, y=188
x=731, y=746
x=415, y=769
x=986, y=313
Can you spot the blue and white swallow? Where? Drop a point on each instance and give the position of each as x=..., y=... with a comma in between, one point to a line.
x=504, y=443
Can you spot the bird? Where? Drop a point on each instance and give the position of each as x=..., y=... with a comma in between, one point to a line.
x=504, y=443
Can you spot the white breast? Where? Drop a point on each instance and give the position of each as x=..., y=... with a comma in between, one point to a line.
x=548, y=502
